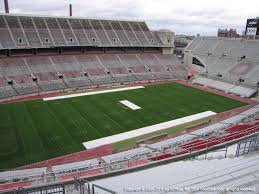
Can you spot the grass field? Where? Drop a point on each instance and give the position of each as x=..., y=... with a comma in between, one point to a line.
x=38, y=130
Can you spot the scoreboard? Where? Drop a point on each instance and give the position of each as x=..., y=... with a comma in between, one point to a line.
x=252, y=27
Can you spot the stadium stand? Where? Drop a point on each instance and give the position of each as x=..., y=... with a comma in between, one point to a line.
x=130, y=154
x=172, y=141
x=230, y=173
x=36, y=32
x=21, y=174
x=211, y=129
x=226, y=87
x=43, y=54
x=89, y=164
x=60, y=72
x=234, y=61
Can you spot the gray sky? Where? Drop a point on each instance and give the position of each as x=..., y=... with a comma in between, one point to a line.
x=182, y=16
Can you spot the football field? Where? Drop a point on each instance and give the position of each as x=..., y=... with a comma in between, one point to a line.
x=38, y=130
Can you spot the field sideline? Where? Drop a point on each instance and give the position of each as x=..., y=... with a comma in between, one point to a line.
x=38, y=130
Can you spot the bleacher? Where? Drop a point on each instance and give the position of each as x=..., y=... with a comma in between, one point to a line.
x=56, y=32
x=232, y=60
x=38, y=32
x=172, y=142
x=126, y=155
x=226, y=87
x=70, y=167
x=33, y=74
x=43, y=53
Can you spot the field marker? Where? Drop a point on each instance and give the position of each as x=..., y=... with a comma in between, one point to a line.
x=145, y=130
x=92, y=93
x=130, y=105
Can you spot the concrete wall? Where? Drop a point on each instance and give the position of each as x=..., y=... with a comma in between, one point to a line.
x=167, y=51
x=188, y=63
x=167, y=37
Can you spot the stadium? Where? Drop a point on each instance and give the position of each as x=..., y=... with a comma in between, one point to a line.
x=99, y=105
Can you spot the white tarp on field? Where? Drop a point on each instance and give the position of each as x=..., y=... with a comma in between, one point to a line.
x=130, y=105
x=92, y=93
x=145, y=130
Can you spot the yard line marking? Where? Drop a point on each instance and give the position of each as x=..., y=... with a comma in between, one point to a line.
x=130, y=105
x=92, y=93
x=145, y=130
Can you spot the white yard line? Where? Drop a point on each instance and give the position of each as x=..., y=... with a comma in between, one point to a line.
x=130, y=105
x=145, y=130
x=92, y=93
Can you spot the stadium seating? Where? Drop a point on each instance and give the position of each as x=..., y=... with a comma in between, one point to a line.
x=18, y=35
x=227, y=59
x=44, y=34
x=70, y=167
x=57, y=72
x=235, y=119
x=40, y=32
x=251, y=112
x=171, y=142
x=226, y=87
x=126, y=155
x=19, y=174
x=237, y=128
x=5, y=34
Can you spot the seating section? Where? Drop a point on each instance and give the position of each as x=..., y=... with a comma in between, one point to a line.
x=228, y=59
x=39, y=32
x=237, y=128
x=226, y=87
x=210, y=129
x=76, y=166
x=127, y=155
x=26, y=75
x=173, y=141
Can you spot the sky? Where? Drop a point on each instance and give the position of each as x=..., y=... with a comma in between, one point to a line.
x=188, y=17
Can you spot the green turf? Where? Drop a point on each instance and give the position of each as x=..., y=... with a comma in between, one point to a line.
x=38, y=130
